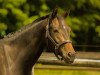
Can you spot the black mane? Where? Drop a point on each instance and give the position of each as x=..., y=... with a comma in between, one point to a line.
x=41, y=18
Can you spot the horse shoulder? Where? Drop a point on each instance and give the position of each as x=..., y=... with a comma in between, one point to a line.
x=2, y=61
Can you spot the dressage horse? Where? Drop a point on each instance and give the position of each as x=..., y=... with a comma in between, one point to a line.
x=19, y=51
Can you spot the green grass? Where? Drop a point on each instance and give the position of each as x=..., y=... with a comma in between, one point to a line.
x=64, y=72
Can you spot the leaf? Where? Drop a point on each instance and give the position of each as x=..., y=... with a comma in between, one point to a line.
x=97, y=29
x=3, y=12
x=80, y=3
x=19, y=14
x=3, y=26
x=95, y=3
x=44, y=7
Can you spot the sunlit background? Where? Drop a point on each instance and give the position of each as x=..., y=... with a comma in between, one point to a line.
x=84, y=20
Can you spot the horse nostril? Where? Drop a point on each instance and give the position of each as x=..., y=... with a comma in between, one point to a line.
x=69, y=57
x=71, y=54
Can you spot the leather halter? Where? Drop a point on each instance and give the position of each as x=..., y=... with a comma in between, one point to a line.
x=56, y=45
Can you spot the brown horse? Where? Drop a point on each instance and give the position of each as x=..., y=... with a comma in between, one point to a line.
x=19, y=51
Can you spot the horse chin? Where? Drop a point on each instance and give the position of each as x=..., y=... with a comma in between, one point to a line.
x=67, y=61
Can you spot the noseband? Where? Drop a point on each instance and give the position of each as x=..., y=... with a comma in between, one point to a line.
x=57, y=46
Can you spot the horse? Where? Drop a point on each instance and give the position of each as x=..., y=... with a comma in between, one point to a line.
x=20, y=50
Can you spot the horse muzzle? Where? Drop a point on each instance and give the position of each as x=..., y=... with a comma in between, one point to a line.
x=69, y=58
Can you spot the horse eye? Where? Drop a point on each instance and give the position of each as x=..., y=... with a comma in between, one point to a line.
x=55, y=30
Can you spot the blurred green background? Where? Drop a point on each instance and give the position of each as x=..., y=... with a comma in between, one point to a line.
x=60, y=70
x=84, y=20
x=65, y=72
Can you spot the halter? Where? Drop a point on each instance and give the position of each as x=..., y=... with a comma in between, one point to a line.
x=57, y=46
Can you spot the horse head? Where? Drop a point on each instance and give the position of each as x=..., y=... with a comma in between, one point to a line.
x=58, y=35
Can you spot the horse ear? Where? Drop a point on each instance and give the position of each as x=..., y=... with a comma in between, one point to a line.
x=53, y=13
x=66, y=14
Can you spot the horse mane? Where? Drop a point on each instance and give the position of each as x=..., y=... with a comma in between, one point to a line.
x=12, y=34
x=41, y=18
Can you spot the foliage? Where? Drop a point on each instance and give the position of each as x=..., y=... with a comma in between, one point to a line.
x=84, y=17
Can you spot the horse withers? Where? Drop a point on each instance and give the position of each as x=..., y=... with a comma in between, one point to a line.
x=20, y=51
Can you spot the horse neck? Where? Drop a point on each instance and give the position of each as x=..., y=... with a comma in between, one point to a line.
x=23, y=51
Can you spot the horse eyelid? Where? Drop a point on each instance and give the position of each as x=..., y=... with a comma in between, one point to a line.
x=56, y=30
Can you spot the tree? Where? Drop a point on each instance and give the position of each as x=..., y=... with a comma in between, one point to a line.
x=84, y=17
